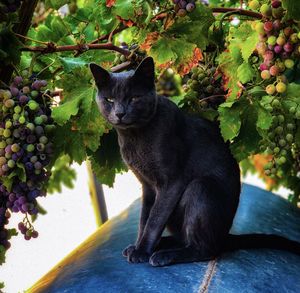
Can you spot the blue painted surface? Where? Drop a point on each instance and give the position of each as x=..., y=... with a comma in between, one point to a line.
x=98, y=266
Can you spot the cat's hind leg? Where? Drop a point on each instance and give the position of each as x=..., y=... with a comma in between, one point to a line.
x=207, y=218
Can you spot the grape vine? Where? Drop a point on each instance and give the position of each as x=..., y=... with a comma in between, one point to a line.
x=236, y=63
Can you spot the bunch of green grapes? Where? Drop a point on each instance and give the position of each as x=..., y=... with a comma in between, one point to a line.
x=204, y=88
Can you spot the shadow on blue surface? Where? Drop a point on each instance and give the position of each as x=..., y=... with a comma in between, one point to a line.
x=97, y=265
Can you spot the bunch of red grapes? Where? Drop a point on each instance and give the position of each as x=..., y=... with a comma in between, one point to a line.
x=182, y=7
x=279, y=49
x=9, y=6
x=26, y=148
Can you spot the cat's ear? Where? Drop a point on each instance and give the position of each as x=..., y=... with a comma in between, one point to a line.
x=101, y=76
x=145, y=73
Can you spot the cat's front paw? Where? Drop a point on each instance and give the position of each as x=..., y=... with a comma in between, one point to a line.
x=128, y=250
x=137, y=256
x=161, y=258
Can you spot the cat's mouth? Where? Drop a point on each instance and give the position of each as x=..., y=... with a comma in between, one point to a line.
x=123, y=124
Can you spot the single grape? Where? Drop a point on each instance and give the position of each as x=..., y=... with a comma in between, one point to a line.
x=190, y=7
x=22, y=120
x=281, y=40
x=34, y=94
x=289, y=63
x=254, y=4
x=281, y=87
x=26, y=90
x=288, y=31
x=268, y=27
x=289, y=137
x=265, y=10
x=274, y=70
x=181, y=12
x=18, y=80
x=265, y=74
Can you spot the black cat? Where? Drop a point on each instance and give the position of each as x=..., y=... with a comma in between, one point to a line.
x=190, y=180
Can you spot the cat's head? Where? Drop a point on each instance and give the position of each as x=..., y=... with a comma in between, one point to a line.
x=127, y=99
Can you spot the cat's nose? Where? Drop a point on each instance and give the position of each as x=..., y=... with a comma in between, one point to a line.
x=120, y=115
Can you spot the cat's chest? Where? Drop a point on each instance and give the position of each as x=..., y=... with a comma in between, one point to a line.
x=141, y=157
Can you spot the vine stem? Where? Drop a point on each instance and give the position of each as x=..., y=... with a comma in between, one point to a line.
x=51, y=48
x=237, y=11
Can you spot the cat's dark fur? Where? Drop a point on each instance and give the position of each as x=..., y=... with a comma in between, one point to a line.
x=190, y=180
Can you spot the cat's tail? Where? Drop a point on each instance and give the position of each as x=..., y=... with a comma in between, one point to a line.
x=253, y=241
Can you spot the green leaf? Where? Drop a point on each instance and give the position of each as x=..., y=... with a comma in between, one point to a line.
x=20, y=172
x=293, y=90
x=257, y=91
x=70, y=63
x=249, y=45
x=44, y=33
x=124, y=8
x=92, y=125
x=61, y=174
x=63, y=113
x=230, y=122
x=2, y=256
x=293, y=8
x=78, y=94
x=246, y=142
x=245, y=72
x=7, y=182
x=107, y=161
x=162, y=51
x=264, y=118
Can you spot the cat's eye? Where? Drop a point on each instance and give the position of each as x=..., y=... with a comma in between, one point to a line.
x=109, y=100
x=134, y=99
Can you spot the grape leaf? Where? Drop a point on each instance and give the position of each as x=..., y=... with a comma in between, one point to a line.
x=62, y=113
x=264, y=118
x=245, y=72
x=124, y=9
x=293, y=90
x=293, y=8
x=107, y=161
x=249, y=45
x=230, y=122
x=70, y=63
x=162, y=51
x=78, y=94
x=246, y=142
x=2, y=255
x=61, y=174
x=92, y=125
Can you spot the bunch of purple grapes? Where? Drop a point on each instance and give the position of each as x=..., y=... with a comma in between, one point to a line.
x=9, y=6
x=183, y=7
x=26, y=149
x=279, y=50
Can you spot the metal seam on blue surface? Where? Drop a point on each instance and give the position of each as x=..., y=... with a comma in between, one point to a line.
x=210, y=271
